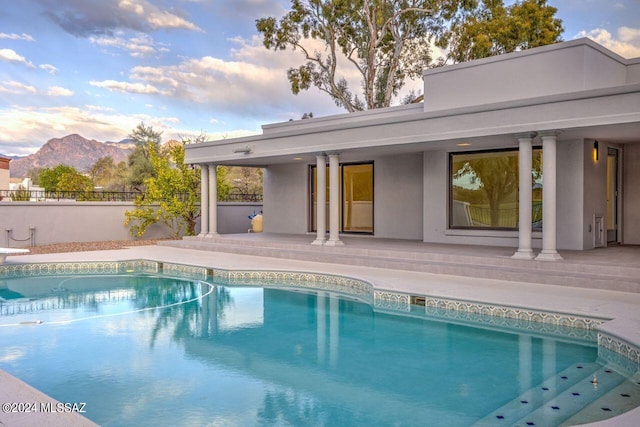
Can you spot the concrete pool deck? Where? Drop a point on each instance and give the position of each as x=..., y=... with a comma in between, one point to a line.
x=622, y=307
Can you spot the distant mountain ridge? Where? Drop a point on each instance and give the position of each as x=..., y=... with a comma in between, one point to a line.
x=71, y=150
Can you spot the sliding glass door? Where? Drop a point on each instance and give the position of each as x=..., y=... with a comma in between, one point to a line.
x=356, y=198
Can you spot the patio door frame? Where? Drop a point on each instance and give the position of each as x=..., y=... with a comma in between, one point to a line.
x=312, y=191
x=614, y=190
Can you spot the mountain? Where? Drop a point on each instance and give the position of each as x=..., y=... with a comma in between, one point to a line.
x=72, y=150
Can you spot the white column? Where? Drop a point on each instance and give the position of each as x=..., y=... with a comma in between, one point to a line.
x=321, y=200
x=204, y=200
x=525, y=163
x=549, y=208
x=321, y=326
x=548, y=358
x=334, y=201
x=525, y=363
x=334, y=329
x=213, y=201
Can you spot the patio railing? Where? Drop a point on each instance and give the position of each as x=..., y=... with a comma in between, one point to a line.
x=97, y=196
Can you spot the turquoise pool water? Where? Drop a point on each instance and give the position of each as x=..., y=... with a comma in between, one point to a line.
x=145, y=350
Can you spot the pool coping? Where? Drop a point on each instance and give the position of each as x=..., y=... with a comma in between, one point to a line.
x=611, y=336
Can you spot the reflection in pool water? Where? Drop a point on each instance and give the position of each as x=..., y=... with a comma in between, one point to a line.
x=165, y=351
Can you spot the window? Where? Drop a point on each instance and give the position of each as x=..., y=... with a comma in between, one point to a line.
x=356, y=198
x=484, y=189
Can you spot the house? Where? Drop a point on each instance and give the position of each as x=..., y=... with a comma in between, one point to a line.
x=537, y=150
x=4, y=173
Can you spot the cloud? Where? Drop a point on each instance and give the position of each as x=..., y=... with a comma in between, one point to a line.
x=84, y=18
x=14, y=87
x=251, y=83
x=251, y=8
x=48, y=68
x=139, y=46
x=10, y=55
x=59, y=91
x=13, y=36
x=626, y=44
x=23, y=130
x=125, y=87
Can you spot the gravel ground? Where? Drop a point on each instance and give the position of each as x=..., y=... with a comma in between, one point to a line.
x=86, y=246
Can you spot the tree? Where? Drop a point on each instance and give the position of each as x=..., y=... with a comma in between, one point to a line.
x=74, y=181
x=494, y=29
x=171, y=196
x=141, y=168
x=384, y=40
x=223, y=186
x=107, y=174
x=245, y=180
x=50, y=177
x=34, y=175
x=388, y=41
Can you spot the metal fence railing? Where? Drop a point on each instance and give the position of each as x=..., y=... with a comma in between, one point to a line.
x=90, y=196
x=99, y=196
x=243, y=197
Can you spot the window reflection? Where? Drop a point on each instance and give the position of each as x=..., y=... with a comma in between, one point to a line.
x=484, y=189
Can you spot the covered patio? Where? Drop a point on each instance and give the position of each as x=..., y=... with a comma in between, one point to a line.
x=530, y=156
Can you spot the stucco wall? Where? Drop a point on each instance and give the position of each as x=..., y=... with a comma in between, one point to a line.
x=633, y=72
x=571, y=222
x=398, y=197
x=234, y=217
x=86, y=222
x=68, y=222
x=631, y=194
x=4, y=179
x=285, y=198
x=4, y=173
x=572, y=66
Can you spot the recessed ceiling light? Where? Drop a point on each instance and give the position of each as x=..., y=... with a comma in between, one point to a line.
x=463, y=144
x=297, y=158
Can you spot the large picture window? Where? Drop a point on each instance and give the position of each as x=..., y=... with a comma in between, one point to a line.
x=484, y=189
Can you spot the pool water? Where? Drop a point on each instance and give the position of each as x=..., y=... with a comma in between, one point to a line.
x=145, y=350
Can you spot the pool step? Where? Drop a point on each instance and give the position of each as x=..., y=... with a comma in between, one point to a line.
x=540, y=396
x=562, y=397
x=619, y=400
x=412, y=258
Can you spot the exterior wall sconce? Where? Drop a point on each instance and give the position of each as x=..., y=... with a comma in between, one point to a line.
x=245, y=150
x=595, y=151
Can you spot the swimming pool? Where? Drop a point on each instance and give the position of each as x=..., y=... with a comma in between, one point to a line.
x=144, y=349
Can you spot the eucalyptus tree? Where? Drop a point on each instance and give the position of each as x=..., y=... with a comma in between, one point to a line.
x=385, y=41
x=389, y=41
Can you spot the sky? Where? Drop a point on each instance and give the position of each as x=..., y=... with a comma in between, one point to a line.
x=101, y=67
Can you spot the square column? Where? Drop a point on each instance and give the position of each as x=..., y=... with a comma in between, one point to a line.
x=204, y=200
x=213, y=201
x=549, y=207
x=321, y=200
x=334, y=201
x=525, y=164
